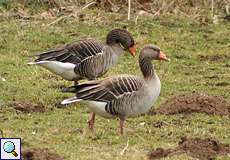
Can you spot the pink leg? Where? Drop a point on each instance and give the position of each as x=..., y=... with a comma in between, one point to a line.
x=121, y=126
x=91, y=121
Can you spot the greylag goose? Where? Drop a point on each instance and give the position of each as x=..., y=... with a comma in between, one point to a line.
x=87, y=58
x=122, y=96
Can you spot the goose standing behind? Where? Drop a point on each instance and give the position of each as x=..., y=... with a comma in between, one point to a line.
x=122, y=96
x=87, y=58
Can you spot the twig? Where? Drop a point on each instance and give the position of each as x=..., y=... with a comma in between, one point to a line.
x=212, y=8
x=143, y=7
x=125, y=148
x=163, y=7
x=129, y=8
x=59, y=19
x=88, y=5
x=227, y=10
x=67, y=16
x=110, y=3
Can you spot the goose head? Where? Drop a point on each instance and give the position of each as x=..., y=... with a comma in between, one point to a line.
x=153, y=52
x=122, y=38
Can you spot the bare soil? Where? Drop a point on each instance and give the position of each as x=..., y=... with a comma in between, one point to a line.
x=194, y=103
x=40, y=154
x=26, y=107
x=160, y=153
x=203, y=148
x=206, y=149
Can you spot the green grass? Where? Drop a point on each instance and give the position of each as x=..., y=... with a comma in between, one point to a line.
x=197, y=51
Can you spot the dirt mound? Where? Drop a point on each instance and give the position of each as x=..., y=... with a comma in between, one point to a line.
x=40, y=154
x=203, y=148
x=195, y=102
x=159, y=153
x=195, y=147
x=27, y=107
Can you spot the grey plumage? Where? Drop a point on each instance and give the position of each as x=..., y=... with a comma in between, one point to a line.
x=107, y=90
x=88, y=58
x=95, y=66
x=74, y=52
x=125, y=95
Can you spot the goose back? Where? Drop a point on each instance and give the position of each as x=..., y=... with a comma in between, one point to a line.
x=95, y=66
x=74, y=52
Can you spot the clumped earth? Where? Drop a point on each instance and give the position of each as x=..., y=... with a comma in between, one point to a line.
x=26, y=107
x=160, y=153
x=40, y=154
x=194, y=147
x=194, y=103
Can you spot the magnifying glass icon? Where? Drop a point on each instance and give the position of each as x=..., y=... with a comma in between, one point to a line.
x=9, y=147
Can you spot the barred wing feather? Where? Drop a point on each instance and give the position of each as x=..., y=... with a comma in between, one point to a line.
x=74, y=52
x=107, y=90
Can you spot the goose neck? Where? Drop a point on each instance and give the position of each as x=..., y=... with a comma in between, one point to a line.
x=146, y=67
x=116, y=49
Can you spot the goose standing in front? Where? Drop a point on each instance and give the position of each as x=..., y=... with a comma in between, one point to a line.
x=87, y=58
x=125, y=95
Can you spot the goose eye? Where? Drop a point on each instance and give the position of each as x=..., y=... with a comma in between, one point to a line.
x=156, y=50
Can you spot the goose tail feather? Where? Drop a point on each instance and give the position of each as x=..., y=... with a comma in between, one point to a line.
x=40, y=62
x=71, y=89
x=70, y=100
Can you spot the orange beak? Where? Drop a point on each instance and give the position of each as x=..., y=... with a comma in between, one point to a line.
x=162, y=56
x=132, y=50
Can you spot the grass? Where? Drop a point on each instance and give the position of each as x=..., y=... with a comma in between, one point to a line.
x=198, y=52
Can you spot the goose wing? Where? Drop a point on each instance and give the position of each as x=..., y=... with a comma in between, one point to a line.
x=107, y=90
x=75, y=52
